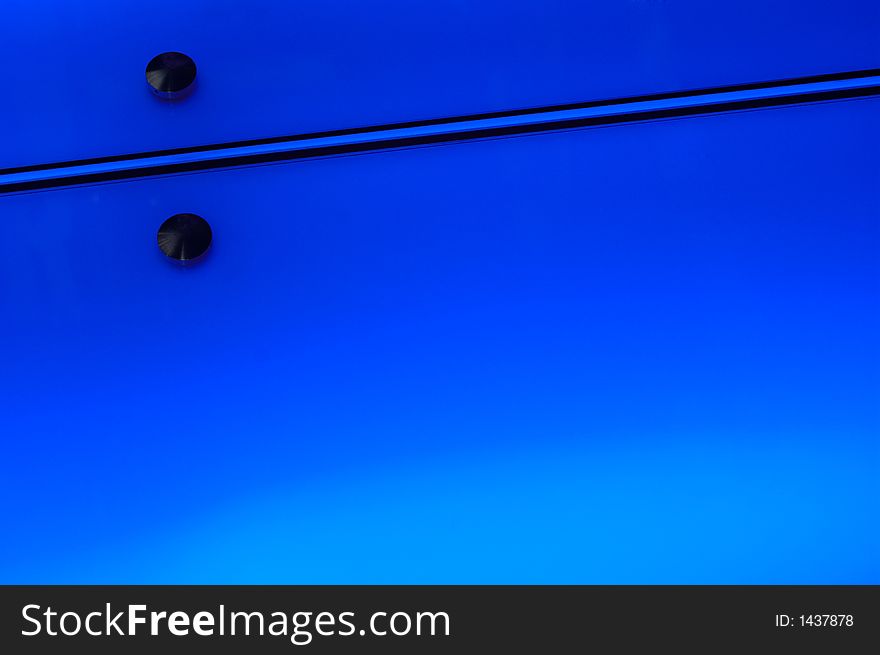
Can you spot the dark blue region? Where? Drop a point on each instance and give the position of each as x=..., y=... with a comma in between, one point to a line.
x=75, y=83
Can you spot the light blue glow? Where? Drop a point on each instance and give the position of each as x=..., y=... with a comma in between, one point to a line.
x=647, y=353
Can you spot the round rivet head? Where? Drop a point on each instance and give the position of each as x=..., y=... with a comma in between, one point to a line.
x=171, y=75
x=184, y=237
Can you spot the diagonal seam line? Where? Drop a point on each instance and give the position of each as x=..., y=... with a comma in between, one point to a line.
x=852, y=84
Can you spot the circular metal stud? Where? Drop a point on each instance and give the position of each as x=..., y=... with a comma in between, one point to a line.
x=184, y=237
x=171, y=75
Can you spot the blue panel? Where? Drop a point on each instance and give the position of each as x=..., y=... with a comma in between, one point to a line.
x=646, y=353
x=269, y=68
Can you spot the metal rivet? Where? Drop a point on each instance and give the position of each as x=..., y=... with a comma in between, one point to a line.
x=184, y=237
x=171, y=75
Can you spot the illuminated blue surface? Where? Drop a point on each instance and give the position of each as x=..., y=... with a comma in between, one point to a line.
x=74, y=74
x=638, y=354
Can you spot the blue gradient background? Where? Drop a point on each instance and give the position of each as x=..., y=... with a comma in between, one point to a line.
x=640, y=354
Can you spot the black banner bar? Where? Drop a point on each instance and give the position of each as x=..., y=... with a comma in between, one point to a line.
x=444, y=619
